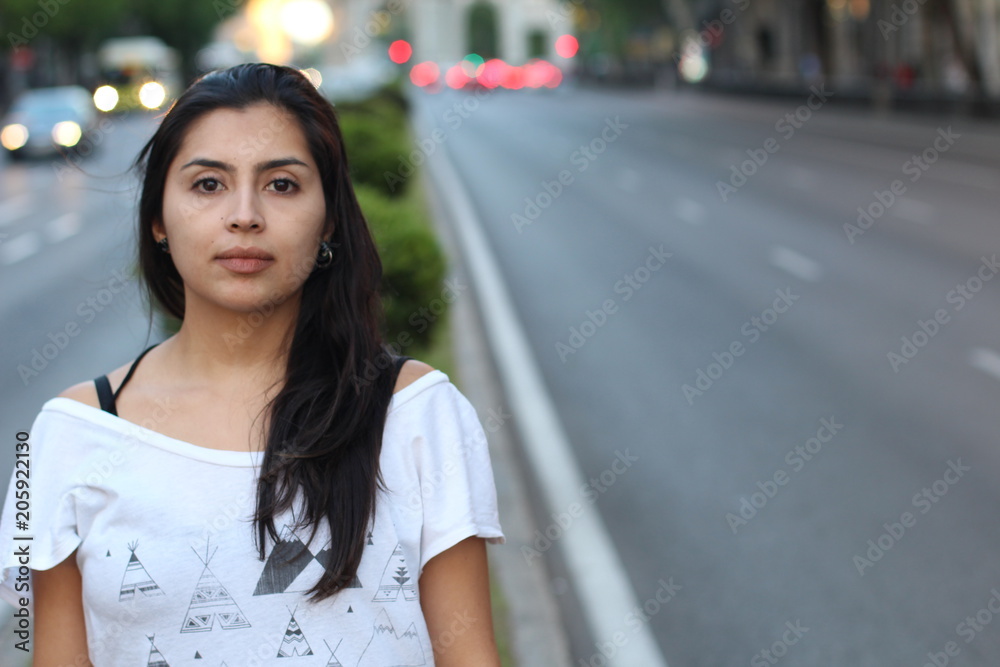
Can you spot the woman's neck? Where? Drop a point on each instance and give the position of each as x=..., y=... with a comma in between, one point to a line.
x=225, y=346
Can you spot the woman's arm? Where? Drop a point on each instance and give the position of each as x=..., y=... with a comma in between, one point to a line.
x=60, y=632
x=455, y=596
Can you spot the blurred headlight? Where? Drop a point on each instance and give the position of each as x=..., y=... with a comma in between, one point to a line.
x=14, y=136
x=152, y=95
x=106, y=98
x=67, y=133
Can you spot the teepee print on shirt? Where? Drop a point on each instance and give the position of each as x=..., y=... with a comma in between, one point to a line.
x=209, y=601
x=292, y=567
x=395, y=578
x=294, y=642
x=385, y=641
x=334, y=661
x=156, y=658
x=136, y=578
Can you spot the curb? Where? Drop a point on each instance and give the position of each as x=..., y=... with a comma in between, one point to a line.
x=537, y=635
x=607, y=598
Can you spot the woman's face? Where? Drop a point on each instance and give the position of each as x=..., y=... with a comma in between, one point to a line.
x=243, y=208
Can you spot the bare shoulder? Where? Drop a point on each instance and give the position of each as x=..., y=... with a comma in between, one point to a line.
x=84, y=392
x=411, y=371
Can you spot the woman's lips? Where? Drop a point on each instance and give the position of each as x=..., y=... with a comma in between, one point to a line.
x=245, y=264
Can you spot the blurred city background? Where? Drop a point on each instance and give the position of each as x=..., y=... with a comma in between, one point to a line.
x=746, y=247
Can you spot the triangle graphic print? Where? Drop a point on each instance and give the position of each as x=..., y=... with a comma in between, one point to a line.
x=294, y=642
x=156, y=658
x=210, y=602
x=136, y=579
x=292, y=568
x=334, y=661
x=405, y=648
x=395, y=578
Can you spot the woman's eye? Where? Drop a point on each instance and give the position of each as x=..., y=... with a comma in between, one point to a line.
x=283, y=185
x=208, y=184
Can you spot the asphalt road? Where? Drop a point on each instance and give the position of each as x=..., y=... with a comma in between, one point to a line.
x=69, y=307
x=637, y=241
x=820, y=490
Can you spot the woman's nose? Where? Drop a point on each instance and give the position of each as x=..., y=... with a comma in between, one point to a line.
x=245, y=214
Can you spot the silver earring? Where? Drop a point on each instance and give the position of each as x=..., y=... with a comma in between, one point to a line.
x=163, y=245
x=325, y=257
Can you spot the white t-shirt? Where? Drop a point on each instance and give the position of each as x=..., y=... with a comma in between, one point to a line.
x=166, y=551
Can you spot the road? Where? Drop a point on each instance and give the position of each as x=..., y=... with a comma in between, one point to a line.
x=70, y=308
x=719, y=356
x=807, y=409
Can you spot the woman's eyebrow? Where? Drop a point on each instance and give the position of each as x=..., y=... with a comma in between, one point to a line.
x=259, y=167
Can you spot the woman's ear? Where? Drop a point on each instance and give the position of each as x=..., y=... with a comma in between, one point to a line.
x=159, y=231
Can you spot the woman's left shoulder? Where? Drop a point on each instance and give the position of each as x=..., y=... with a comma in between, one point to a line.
x=411, y=371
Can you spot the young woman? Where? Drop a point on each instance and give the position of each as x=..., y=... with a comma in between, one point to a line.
x=269, y=482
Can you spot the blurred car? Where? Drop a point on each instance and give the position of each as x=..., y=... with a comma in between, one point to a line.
x=138, y=73
x=48, y=120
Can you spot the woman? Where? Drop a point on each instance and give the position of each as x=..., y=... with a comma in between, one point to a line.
x=265, y=486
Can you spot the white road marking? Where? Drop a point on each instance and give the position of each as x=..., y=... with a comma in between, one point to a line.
x=690, y=211
x=985, y=360
x=598, y=574
x=62, y=227
x=19, y=248
x=795, y=263
x=913, y=210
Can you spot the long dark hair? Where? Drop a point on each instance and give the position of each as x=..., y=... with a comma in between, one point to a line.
x=326, y=423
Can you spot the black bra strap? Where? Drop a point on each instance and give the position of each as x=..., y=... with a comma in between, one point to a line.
x=128, y=376
x=104, y=394
x=107, y=398
x=398, y=367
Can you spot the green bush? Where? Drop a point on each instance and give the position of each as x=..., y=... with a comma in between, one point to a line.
x=376, y=138
x=413, y=266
